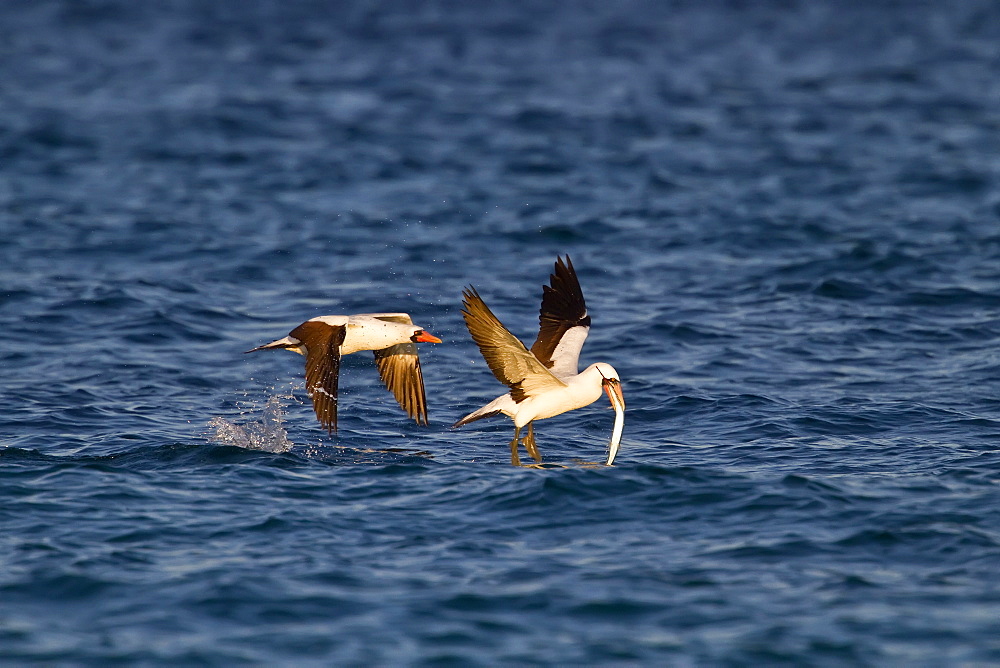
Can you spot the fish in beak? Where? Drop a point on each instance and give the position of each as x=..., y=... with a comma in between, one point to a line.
x=613, y=387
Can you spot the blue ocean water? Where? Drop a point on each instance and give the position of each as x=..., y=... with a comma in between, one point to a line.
x=786, y=219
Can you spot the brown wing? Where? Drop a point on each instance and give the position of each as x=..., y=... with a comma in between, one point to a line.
x=322, y=342
x=399, y=368
x=563, y=308
x=508, y=359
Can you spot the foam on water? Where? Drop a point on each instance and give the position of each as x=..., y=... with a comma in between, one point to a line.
x=266, y=433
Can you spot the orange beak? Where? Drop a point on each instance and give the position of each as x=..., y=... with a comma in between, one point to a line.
x=426, y=337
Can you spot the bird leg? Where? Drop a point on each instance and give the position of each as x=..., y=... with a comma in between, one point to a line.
x=529, y=443
x=514, y=459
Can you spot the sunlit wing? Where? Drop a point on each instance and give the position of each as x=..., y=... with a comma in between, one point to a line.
x=508, y=359
x=399, y=368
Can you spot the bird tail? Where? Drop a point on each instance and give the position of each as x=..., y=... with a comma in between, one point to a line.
x=501, y=405
x=287, y=342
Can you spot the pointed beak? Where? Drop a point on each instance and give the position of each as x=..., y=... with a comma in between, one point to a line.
x=425, y=337
x=614, y=390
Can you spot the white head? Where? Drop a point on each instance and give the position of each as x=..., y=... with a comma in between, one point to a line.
x=607, y=371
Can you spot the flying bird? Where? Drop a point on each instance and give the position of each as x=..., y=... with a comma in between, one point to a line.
x=325, y=339
x=543, y=381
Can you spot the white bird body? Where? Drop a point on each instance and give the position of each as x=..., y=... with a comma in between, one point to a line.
x=323, y=340
x=579, y=390
x=544, y=381
x=364, y=331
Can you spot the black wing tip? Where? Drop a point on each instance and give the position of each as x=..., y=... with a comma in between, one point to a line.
x=564, y=270
x=563, y=267
x=562, y=297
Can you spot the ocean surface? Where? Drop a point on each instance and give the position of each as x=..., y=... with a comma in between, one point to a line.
x=785, y=216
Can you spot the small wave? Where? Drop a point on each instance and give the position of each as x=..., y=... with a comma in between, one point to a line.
x=267, y=434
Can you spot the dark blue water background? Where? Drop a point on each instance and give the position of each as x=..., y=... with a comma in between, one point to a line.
x=785, y=219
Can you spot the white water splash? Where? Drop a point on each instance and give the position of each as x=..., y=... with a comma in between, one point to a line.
x=267, y=434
